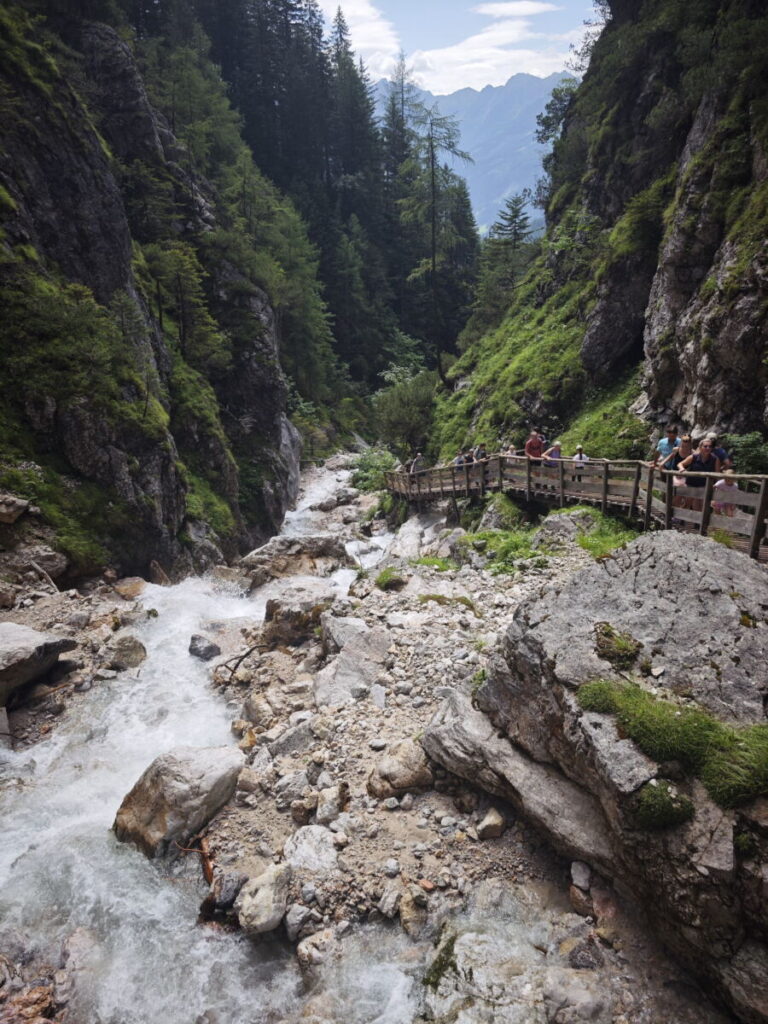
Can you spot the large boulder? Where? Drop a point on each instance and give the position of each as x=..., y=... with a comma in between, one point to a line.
x=354, y=671
x=691, y=616
x=311, y=850
x=292, y=617
x=11, y=507
x=261, y=903
x=295, y=556
x=26, y=654
x=176, y=796
x=416, y=533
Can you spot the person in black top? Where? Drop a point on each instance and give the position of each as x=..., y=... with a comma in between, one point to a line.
x=703, y=460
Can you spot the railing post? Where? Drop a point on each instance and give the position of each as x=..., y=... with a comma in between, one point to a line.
x=527, y=479
x=635, y=491
x=466, y=479
x=758, y=527
x=440, y=479
x=418, y=490
x=706, y=511
x=501, y=472
x=561, y=465
x=649, y=499
x=669, y=498
x=453, y=481
x=604, y=500
x=483, y=470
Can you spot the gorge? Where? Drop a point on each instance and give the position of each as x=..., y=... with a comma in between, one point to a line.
x=276, y=746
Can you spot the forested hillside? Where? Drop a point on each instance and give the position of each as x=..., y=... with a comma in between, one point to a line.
x=205, y=229
x=648, y=294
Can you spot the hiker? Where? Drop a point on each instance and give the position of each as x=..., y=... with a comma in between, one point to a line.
x=579, y=460
x=701, y=461
x=671, y=463
x=481, y=455
x=666, y=445
x=459, y=460
x=553, y=454
x=725, y=488
x=726, y=460
x=418, y=463
x=534, y=448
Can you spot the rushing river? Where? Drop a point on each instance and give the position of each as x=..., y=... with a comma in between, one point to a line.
x=129, y=924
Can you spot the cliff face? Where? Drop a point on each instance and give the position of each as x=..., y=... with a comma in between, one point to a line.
x=196, y=457
x=654, y=259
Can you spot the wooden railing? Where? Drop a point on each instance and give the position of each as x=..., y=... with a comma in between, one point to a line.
x=643, y=492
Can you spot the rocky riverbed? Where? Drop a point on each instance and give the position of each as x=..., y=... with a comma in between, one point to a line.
x=324, y=822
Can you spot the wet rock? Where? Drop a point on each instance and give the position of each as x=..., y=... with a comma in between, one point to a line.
x=178, y=794
x=203, y=648
x=26, y=654
x=317, y=949
x=295, y=556
x=126, y=652
x=295, y=919
x=261, y=903
x=131, y=587
x=292, y=617
x=403, y=768
x=586, y=956
x=389, y=903
x=580, y=901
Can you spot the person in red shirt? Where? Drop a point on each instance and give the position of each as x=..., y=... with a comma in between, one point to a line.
x=534, y=448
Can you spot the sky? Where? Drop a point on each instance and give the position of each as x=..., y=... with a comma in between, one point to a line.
x=452, y=44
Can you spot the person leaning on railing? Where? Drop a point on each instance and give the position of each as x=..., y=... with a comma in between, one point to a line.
x=703, y=460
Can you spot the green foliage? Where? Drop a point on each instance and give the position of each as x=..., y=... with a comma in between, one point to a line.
x=749, y=451
x=444, y=962
x=390, y=579
x=506, y=510
x=442, y=599
x=432, y=562
x=504, y=549
x=404, y=409
x=616, y=646
x=205, y=505
x=731, y=762
x=370, y=468
x=660, y=806
x=605, y=426
x=607, y=535
x=478, y=679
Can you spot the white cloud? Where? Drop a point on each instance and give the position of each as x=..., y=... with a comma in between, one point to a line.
x=516, y=9
x=491, y=56
x=373, y=37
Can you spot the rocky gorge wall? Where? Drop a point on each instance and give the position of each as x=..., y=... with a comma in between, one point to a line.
x=118, y=420
x=524, y=735
x=650, y=284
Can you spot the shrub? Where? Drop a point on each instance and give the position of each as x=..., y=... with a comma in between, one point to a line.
x=441, y=564
x=370, y=468
x=617, y=647
x=389, y=579
x=442, y=599
x=659, y=806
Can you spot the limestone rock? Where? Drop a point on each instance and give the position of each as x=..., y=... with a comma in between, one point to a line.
x=11, y=507
x=292, y=617
x=339, y=630
x=416, y=533
x=261, y=903
x=354, y=671
x=26, y=654
x=126, y=652
x=178, y=794
x=131, y=587
x=311, y=849
x=203, y=648
x=492, y=826
x=404, y=767
x=295, y=556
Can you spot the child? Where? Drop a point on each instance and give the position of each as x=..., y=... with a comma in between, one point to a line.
x=726, y=488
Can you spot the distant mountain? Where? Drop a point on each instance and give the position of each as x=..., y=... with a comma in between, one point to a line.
x=497, y=130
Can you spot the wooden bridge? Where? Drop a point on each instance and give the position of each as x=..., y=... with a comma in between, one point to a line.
x=655, y=498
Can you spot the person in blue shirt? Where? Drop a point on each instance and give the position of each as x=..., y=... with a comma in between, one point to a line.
x=726, y=460
x=667, y=444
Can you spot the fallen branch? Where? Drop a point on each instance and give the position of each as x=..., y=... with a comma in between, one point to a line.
x=239, y=659
x=46, y=577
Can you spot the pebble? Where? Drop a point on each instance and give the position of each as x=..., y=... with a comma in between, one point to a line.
x=407, y=802
x=391, y=803
x=378, y=744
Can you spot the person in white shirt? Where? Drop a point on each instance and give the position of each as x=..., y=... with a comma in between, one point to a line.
x=578, y=459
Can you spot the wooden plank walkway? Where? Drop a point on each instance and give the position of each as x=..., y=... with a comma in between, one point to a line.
x=641, y=492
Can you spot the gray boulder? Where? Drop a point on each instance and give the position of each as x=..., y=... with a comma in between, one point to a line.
x=26, y=654
x=338, y=630
x=295, y=556
x=354, y=671
x=261, y=903
x=311, y=849
x=126, y=652
x=203, y=648
x=178, y=794
x=292, y=617
x=11, y=507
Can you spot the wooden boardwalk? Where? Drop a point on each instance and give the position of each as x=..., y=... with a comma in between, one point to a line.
x=641, y=492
